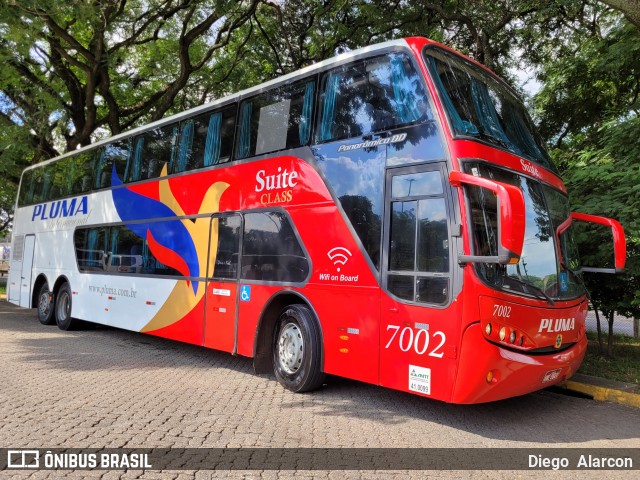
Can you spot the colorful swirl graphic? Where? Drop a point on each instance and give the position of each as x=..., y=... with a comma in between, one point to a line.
x=181, y=244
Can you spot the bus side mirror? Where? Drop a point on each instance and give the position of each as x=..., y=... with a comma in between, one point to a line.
x=619, y=241
x=511, y=218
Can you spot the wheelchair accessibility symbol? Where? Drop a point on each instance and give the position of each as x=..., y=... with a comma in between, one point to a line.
x=245, y=293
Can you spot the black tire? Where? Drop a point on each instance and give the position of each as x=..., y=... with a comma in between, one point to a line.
x=63, y=308
x=297, y=350
x=46, y=305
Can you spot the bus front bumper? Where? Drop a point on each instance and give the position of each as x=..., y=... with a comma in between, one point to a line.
x=487, y=372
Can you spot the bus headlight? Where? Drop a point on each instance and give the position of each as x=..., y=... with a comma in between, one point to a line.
x=512, y=337
x=503, y=334
x=487, y=329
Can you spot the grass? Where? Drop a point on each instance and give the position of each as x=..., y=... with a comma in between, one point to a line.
x=624, y=366
x=3, y=289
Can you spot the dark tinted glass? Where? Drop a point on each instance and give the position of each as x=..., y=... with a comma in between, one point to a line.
x=38, y=185
x=357, y=178
x=206, y=140
x=126, y=251
x=271, y=251
x=117, y=249
x=81, y=168
x=433, y=236
x=539, y=267
x=416, y=184
x=401, y=286
x=26, y=188
x=480, y=106
x=60, y=180
x=276, y=120
x=152, y=151
x=91, y=248
x=47, y=182
x=370, y=96
x=418, y=238
x=228, y=231
x=432, y=289
x=402, y=251
x=117, y=154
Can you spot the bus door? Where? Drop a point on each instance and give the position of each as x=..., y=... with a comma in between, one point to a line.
x=416, y=325
x=25, y=276
x=221, y=300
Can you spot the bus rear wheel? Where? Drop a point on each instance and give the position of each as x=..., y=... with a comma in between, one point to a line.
x=297, y=349
x=46, y=303
x=63, y=308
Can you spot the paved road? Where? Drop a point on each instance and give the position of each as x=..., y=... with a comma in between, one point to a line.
x=109, y=388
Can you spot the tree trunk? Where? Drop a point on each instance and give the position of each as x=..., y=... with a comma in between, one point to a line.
x=610, y=316
x=630, y=8
x=599, y=328
x=636, y=327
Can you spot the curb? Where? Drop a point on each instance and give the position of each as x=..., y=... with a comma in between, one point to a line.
x=603, y=390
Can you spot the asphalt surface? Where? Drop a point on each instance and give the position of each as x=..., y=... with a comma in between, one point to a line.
x=104, y=387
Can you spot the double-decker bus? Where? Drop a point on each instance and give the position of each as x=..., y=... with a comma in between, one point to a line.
x=389, y=215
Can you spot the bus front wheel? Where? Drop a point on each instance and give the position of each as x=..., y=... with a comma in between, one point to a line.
x=46, y=304
x=63, y=308
x=297, y=350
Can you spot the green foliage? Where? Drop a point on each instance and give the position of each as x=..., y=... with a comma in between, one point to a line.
x=588, y=107
x=624, y=367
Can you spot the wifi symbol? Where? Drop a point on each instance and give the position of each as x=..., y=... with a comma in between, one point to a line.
x=339, y=256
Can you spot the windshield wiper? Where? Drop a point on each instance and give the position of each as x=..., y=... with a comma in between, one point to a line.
x=537, y=292
x=493, y=139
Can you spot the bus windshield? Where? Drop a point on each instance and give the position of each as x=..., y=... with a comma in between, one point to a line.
x=549, y=265
x=481, y=107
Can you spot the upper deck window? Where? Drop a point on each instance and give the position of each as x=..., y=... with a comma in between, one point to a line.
x=481, y=107
x=370, y=96
x=206, y=140
x=275, y=120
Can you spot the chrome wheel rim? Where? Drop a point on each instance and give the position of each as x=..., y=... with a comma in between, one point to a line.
x=290, y=348
x=44, y=305
x=63, y=307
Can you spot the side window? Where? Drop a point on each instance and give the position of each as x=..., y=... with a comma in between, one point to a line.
x=271, y=251
x=113, y=154
x=81, y=172
x=38, y=185
x=228, y=230
x=120, y=249
x=91, y=248
x=47, y=183
x=26, y=188
x=418, y=268
x=369, y=96
x=125, y=251
x=206, y=140
x=60, y=186
x=152, y=151
x=276, y=120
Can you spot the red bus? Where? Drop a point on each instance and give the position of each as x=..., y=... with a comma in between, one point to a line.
x=389, y=215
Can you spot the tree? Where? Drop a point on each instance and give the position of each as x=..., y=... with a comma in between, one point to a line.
x=588, y=109
x=75, y=71
x=630, y=8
